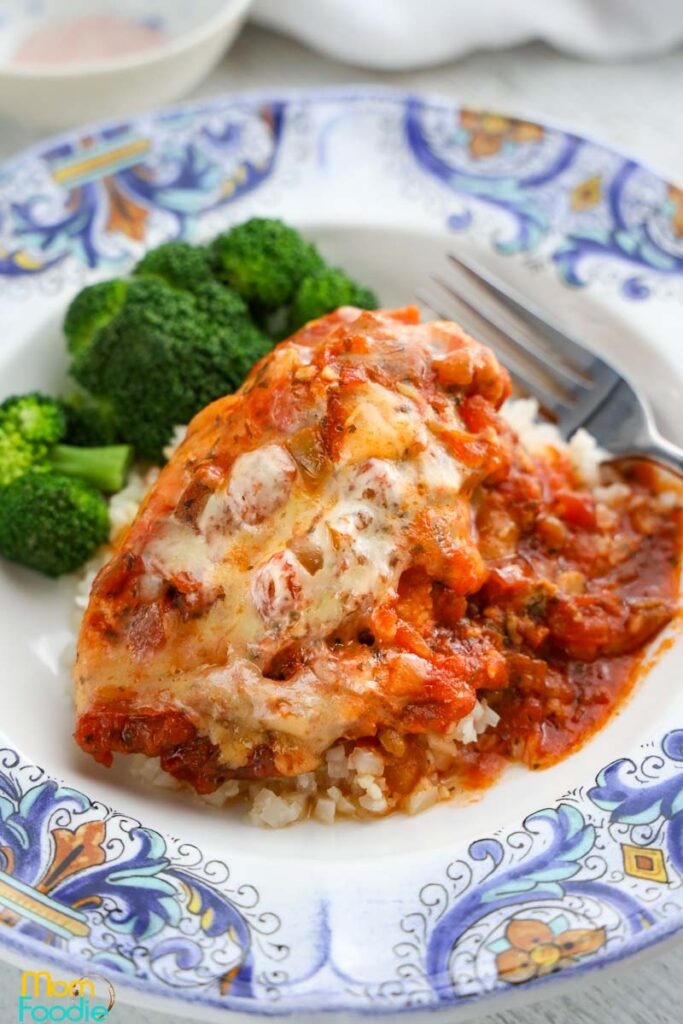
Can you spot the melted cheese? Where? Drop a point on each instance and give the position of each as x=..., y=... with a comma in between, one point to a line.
x=358, y=522
x=260, y=482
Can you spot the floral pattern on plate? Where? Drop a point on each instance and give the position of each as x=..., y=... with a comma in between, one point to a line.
x=554, y=185
x=101, y=890
x=97, y=196
x=575, y=886
x=101, y=197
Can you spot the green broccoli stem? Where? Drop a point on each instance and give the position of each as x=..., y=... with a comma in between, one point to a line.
x=103, y=468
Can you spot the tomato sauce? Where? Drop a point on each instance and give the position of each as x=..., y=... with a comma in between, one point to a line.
x=577, y=585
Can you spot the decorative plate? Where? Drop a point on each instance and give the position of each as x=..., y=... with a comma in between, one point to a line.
x=168, y=898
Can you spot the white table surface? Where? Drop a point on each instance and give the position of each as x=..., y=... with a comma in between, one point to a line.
x=635, y=105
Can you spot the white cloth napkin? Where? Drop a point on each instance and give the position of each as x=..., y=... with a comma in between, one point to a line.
x=401, y=34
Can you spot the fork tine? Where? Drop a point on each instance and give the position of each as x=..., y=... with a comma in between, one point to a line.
x=566, y=382
x=612, y=408
x=576, y=356
x=551, y=405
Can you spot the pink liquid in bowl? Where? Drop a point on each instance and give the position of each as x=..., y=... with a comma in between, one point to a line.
x=86, y=39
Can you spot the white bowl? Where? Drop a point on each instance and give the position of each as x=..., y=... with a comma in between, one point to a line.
x=193, y=36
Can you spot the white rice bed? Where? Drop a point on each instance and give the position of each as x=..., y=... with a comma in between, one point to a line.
x=352, y=783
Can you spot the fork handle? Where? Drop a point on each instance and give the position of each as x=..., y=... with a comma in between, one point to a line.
x=659, y=450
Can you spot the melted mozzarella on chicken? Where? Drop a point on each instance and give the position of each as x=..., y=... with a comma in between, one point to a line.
x=279, y=528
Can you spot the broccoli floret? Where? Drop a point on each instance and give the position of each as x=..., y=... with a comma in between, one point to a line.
x=218, y=301
x=37, y=418
x=168, y=353
x=51, y=523
x=178, y=263
x=92, y=308
x=187, y=267
x=90, y=422
x=264, y=261
x=30, y=427
x=324, y=291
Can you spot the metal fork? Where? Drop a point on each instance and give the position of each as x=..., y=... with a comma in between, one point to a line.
x=574, y=387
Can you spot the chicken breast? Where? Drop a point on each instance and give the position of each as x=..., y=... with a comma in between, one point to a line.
x=250, y=617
